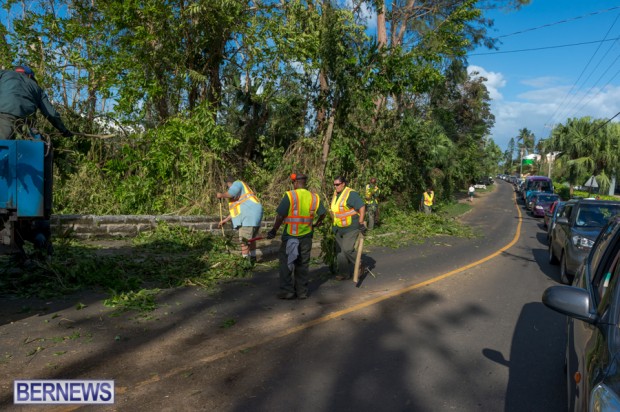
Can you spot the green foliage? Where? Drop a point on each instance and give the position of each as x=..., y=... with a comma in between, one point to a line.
x=169, y=256
x=586, y=148
x=400, y=228
x=255, y=89
x=562, y=191
x=142, y=300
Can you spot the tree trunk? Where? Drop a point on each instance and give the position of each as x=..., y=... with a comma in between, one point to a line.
x=327, y=137
x=322, y=112
x=381, y=44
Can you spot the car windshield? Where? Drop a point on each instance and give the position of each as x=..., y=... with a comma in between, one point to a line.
x=596, y=215
x=546, y=198
x=539, y=185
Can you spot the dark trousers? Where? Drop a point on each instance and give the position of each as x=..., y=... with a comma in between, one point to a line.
x=296, y=280
x=7, y=123
x=345, y=249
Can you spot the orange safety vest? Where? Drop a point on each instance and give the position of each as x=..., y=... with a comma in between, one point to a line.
x=234, y=206
x=302, y=206
x=343, y=215
x=428, y=199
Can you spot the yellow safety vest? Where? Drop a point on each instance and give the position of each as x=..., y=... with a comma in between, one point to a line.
x=369, y=195
x=343, y=215
x=234, y=206
x=302, y=206
x=428, y=199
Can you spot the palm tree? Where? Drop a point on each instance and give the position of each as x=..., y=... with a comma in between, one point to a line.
x=527, y=139
x=579, y=141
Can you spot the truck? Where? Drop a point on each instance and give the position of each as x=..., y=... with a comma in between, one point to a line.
x=26, y=183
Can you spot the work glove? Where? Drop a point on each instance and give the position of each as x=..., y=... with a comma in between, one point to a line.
x=363, y=229
x=271, y=234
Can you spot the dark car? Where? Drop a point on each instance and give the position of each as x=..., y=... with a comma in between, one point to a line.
x=592, y=305
x=550, y=216
x=575, y=230
x=542, y=202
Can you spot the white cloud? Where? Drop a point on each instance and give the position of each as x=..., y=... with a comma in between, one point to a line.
x=549, y=101
x=545, y=81
x=494, y=81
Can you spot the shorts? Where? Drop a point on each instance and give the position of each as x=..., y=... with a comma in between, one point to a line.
x=248, y=232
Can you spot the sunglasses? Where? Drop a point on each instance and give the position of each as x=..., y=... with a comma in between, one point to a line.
x=338, y=184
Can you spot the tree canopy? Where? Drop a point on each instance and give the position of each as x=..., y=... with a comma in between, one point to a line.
x=199, y=89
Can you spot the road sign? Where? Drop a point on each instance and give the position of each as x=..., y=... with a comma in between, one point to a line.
x=591, y=182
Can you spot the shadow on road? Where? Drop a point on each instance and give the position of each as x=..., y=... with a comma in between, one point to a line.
x=537, y=347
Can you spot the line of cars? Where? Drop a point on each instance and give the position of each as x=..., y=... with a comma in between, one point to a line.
x=584, y=239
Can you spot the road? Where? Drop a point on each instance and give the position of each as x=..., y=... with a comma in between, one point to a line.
x=478, y=339
x=450, y=325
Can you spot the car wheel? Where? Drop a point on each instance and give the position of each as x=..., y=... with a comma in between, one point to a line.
x=552, y=259
x=564, y=278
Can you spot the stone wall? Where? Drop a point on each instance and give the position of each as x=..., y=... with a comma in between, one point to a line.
x=100, y=227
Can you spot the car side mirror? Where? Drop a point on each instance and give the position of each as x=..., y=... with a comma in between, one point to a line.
x=570, y=301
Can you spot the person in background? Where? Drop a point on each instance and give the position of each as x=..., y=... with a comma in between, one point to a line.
x=348, y=210
x=20, y=98
x=371, y=199
x=470, y=192
x=246, y=213
x=428, y=199
x=297, y=211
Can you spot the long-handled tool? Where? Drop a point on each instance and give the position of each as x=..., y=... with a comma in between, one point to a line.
x=358, y=258
x=222, y=218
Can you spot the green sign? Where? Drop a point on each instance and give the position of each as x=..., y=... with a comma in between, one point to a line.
x=528, y=162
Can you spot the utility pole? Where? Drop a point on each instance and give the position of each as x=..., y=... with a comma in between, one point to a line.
x=521, y=163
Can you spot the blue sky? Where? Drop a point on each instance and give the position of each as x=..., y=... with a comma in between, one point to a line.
x=538, y=89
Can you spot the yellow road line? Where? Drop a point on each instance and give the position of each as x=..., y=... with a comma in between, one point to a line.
x=334, y=315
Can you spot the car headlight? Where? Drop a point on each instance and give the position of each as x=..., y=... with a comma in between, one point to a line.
x=581, y=241
x=603, y=399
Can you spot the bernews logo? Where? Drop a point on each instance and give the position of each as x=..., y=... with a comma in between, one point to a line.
x=51, y=391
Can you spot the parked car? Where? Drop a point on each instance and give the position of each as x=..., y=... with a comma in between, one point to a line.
x=529, y=197
x=536, y=184
x=542, y=202
x=551, y=214
x=575, y=230
x=592, y=305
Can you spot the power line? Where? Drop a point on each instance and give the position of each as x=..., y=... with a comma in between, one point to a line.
x=603, y=125
x=568, y=99
x=544, y=48
x=559, y=22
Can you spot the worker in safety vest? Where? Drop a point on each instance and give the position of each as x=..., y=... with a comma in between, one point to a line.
x=428, y=199
x=371, y=198
x=348, y=210
x=246, y=213
x=297, y=210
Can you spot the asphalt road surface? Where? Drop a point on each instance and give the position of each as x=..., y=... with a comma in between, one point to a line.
x=450, y=325
x=471, y=338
